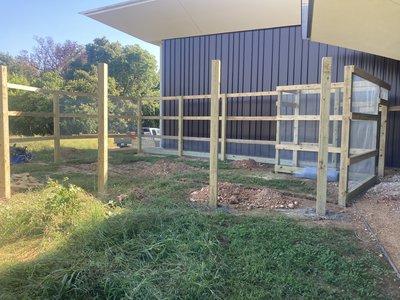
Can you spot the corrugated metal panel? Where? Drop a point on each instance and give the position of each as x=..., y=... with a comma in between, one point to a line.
x=256, y=61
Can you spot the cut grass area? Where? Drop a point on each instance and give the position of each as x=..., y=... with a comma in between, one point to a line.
x=164, y=247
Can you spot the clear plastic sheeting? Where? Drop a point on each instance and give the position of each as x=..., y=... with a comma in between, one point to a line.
x=365, y=96
x=363, y=133
x=363, y=136
x=360, y=172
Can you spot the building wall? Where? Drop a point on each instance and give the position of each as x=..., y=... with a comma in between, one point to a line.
x=256, y=61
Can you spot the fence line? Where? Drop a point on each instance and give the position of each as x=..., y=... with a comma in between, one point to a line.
x=215, y=97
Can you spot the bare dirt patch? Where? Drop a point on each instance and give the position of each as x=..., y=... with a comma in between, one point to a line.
x=239, y=196
x=23, y=181
x=249, y=164
x=140, y=168
x=381, y=208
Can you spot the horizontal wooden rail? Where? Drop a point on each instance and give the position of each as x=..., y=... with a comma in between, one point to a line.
x=31, y=139
x=394, y=108
x=302, y=87
x=30, y=114
x=362, y=156
x=255, y=142
x=49, y=114
x=250, y=118
x=306, y=118
x=48, y=91
x=364, y=117
x=196, y=139
x=306, y=148
x=252, y=94
x=165, y=137
x=196, y=118
x=195, y=97
x=159, y=117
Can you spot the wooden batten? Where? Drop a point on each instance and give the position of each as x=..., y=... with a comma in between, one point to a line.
x=382, y=141
x=345, y=140
x=322, y=165
x=102, y=163
x=215, y=95
x=180, y=126
x=224, y=103
x=5, y=187
x=56, y=128
x=139, y=126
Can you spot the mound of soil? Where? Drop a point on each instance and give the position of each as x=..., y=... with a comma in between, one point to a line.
x=240, y=196
x=140, y=168
x=247, y=164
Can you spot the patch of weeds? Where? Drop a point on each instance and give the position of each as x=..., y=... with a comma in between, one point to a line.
x=62, y=197
x=85, y=181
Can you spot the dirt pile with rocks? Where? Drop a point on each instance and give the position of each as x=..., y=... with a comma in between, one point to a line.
x=23, y=181
x=140, y=168
x=239, y=196
x=248, y=164
x=387, y=192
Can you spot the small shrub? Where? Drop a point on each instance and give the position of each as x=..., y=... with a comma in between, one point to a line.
x=62, y=198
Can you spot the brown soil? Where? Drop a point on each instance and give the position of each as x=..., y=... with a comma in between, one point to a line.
x=141, y=168
x=238, y=196
x=70, y=152
x=23, y=181
x=381, y=208
x=248, y=164
x=332, y=192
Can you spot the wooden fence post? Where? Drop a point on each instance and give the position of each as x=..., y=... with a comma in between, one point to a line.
x=139, y=126
x=180, y=126
x=382, y=141
x=223, y=126
x=296, y=112
x=102, y=163
x=214, y=121
x=323, y=141
x=5, y=187
x=277, y=132
x=56, y=126
x=345, y=140
x=335, y=134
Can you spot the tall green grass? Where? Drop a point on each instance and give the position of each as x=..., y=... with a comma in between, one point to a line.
x=164, y=247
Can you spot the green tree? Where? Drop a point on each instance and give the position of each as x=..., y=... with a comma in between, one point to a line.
x=34, y=102
x=72, y=67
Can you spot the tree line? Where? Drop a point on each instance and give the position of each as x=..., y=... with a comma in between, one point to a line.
x=70, y=66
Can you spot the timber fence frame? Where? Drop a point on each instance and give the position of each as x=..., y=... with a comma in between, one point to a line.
x=215, y=118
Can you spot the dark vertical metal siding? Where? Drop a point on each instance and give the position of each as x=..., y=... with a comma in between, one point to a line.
x=256, y=61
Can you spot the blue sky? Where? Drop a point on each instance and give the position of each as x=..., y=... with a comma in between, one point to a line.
x=21, y=20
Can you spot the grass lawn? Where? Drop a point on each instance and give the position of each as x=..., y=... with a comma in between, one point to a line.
x=61, y=242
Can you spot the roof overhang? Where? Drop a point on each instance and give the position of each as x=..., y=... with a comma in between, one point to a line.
x=370, y=26
x=157, y=20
